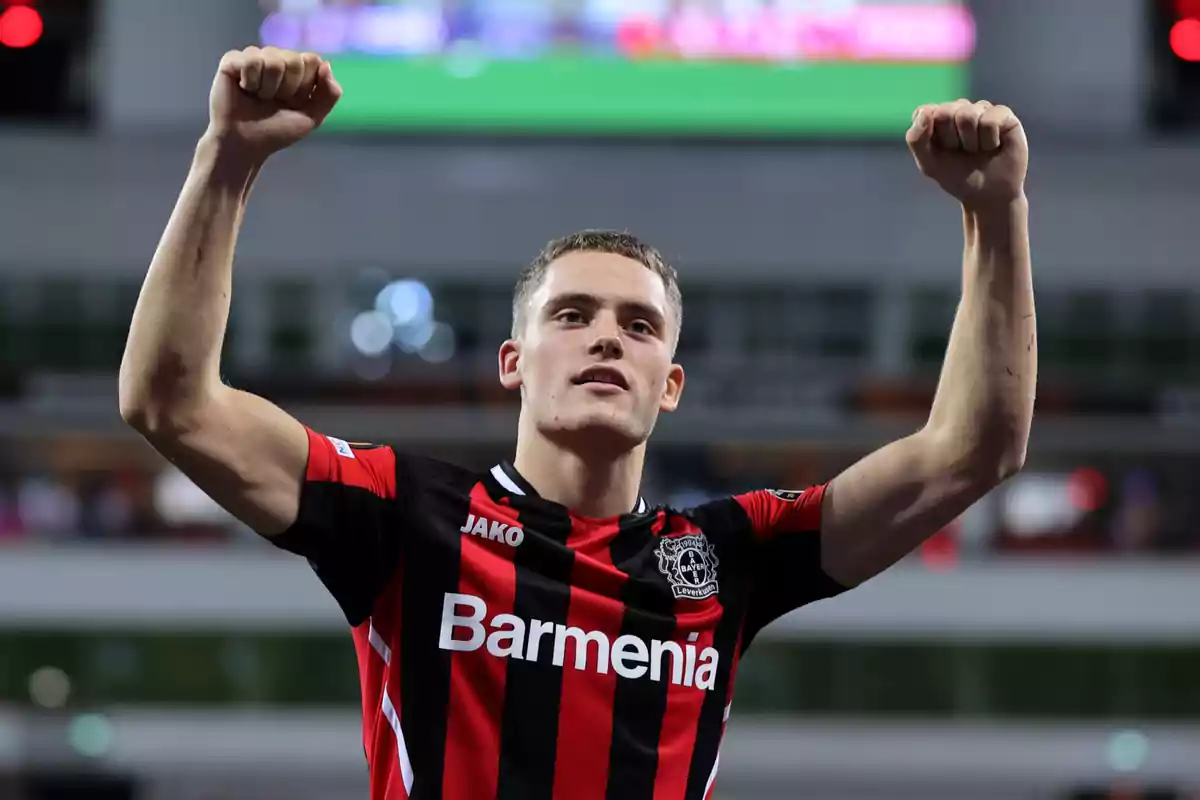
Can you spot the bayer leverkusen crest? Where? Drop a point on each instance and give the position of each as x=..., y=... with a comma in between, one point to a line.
x=690, y=564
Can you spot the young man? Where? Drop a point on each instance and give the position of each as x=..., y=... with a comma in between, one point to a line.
x=539, y=631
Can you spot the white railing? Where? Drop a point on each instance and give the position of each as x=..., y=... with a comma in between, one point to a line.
x=255, y=588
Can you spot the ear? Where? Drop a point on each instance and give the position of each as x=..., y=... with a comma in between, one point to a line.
x=673, y=390
x=510, y=364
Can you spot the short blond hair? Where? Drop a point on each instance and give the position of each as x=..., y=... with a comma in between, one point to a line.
x=595, y=241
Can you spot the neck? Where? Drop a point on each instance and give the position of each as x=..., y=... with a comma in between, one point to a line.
x=593, y=487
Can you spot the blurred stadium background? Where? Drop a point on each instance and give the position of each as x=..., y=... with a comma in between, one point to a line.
x=1047, y=645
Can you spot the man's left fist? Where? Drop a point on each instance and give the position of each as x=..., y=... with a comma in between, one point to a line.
x=977, y=152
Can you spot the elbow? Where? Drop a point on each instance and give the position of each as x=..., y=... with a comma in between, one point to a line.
x=160, y=400
x=156, y=420
x=133, y=414
x=133, y=403
x=992, y=464
x=984, y=463
x=136, y=403
x=157, y=412
x=142, y=413
x=1010, y=463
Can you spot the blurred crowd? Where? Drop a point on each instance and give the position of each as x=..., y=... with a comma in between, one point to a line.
x=77, y=489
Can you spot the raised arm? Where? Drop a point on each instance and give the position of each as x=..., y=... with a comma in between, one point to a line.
x=245, y=452
x=884, y=506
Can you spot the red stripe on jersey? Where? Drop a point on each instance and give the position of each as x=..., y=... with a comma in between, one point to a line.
x=733, y=669
x=791, y=511
x=685, y=701
x=477, y=678
x=377, y=739
x=585, y=723
x=681, y=720
x=378, y=648
x=335, y=461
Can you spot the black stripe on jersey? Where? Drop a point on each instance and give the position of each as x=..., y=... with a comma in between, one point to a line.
x=354, y=559
x=424, y=666
x=725, y=522
x=787, y=575
x=712, y=713
x=639, y=705
x=533, y=689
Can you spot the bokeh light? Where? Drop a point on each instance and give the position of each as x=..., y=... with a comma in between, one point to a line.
x=49, y=687
x=20, y=26
x=91, y=735
x=405, y=302
x=371, y=333
x=1127, y=751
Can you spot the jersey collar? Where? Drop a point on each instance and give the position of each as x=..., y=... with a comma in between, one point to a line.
x=514, y=483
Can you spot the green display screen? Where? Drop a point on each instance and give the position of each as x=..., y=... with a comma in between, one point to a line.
x=746, y=68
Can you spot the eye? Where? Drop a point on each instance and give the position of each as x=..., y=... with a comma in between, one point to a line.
x=641, y=327
x=570, y=317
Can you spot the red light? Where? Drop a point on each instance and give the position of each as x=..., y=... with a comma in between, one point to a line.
x=1087, y=489
x=939, y=553
x=20, y=26
x=638, y=38
x=1185, y=39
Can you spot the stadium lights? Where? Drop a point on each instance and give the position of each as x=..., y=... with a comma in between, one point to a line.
x=1174, y=86
x=1185, y=39
x=20, y=26
x=1184, y=35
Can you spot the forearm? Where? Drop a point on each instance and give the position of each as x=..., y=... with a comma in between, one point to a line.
x=983, y=407
x=171, y=363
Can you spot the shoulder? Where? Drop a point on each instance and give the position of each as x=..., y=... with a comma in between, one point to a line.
x=723, y=513
x=381, y=468
x=761, y=512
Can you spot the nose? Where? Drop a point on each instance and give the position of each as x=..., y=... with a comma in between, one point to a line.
x=607, y=344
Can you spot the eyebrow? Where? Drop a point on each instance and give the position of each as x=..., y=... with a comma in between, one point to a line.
x=591, y=303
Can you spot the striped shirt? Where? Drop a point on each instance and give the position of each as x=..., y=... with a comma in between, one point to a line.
x=509, y=648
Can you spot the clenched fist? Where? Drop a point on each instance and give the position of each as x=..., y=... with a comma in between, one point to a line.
x=265, y=99
x=977, y=152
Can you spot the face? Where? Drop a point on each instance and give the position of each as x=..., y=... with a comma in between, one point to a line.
x=593, y=361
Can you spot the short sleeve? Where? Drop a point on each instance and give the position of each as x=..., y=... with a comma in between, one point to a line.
x=348, y=523
x=787, y=572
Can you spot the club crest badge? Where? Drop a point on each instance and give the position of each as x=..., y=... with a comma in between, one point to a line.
x=690, y=564
x=787, y=495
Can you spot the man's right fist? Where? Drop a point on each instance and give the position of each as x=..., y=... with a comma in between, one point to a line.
x=265, y=99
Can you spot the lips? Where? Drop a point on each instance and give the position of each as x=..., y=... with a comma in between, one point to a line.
x=602, y=375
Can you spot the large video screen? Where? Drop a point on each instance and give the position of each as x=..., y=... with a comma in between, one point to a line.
x=633, y=67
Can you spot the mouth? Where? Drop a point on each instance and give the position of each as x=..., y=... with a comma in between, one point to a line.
x=601, y=376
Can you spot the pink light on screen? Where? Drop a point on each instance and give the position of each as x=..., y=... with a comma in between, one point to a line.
x=697, y=34
x=779, y=36
x=868, y=33
x=765, y=34
x=825, y=37
x=639, y=37
x=913, y=33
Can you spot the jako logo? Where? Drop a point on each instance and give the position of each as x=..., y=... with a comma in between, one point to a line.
x=493, y=531
x=629, y=656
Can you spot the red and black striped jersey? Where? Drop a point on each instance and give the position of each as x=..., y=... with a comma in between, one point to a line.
x=508, y=648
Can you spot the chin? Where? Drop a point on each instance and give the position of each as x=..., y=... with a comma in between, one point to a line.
x=598, y=431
